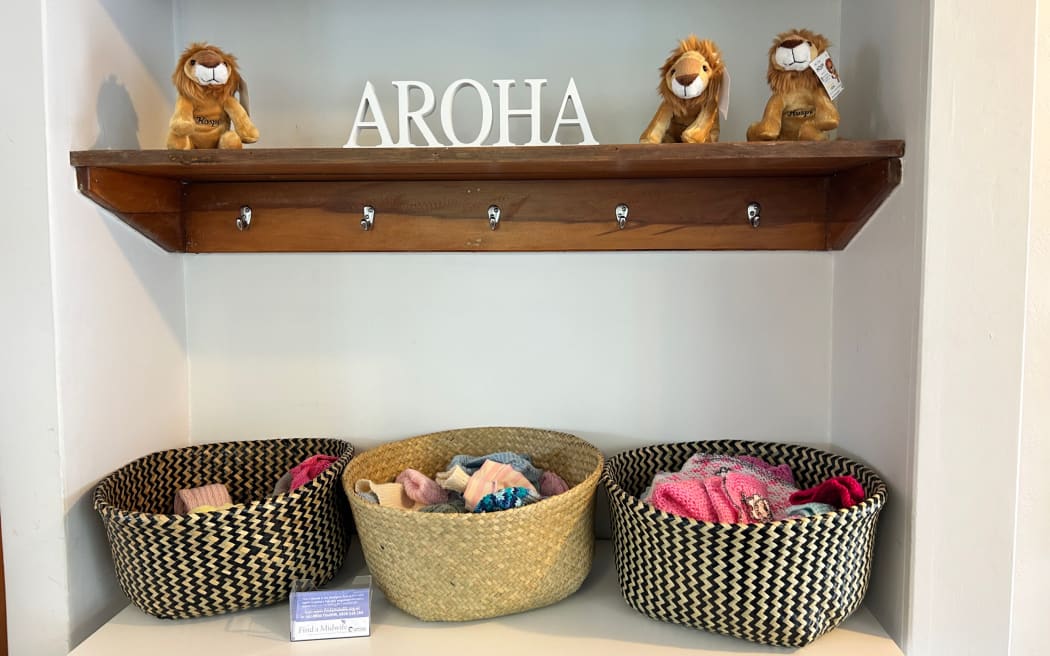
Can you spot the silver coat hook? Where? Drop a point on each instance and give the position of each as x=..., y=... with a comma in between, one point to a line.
x=244, y=221
x=621, y=215
x=754, y=214
x=369, y=218
x=494, y=213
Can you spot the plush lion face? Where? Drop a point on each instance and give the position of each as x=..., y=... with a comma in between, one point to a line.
x=692, y=72
x=789, y=59
x=206, y=72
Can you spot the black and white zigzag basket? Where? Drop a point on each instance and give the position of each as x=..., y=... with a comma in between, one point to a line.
x=781, y=583
x=182, y=566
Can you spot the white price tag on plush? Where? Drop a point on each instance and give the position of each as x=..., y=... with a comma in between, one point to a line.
x=828, y=74
x=723, y=95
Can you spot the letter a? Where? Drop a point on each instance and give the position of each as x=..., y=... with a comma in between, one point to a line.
x=580, y=120
x=368, y=98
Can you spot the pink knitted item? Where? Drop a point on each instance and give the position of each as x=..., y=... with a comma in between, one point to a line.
x=839, y=491
x=687, y=498
x=551, y=484
x=421, y=489
x=309, y=469
x=778, y=480
x=492, y=477
x=720, y=501
x=215, y=494
x=749, y=497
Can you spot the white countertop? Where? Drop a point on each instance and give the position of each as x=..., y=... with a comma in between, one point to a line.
x=594, y=620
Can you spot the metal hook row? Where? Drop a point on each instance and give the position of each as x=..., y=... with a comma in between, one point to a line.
x=754, y=216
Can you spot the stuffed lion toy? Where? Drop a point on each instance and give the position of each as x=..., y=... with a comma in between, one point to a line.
x=800, y=108
x=690, y=90
x=206, y=79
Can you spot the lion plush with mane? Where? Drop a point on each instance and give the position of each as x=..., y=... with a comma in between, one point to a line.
x=800, y=108
x=206, y=80
x=690, y=90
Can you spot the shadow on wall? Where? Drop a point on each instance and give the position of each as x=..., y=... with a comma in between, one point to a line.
x=91, y=566
x=118, y=124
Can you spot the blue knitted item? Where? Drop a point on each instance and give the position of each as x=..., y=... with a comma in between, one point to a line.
x=505, y=499
x=519, y=461
x=809, y=509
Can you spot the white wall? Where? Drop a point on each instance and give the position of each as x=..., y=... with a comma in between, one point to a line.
x=972, y=335
x=877, y=282
x=118, y=300
x=623, y=349
x=30, y=467
x=1031, y=577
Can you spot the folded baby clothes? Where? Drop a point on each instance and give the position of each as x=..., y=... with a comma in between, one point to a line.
x=687, y=498
x=390, y=495
x=810, y=509
x=734, y=498
x=421, y=489
x=491, y=477
x=839, y=491
x=215, y=494
x=776, y=480
x=451, y=506
x=518, y=461
x=505, y=499
x=455, y=479
x=551, y=484
x=309, y=469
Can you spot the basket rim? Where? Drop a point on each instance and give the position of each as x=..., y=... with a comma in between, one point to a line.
x=871, y=504
x=588, y=483
x=109, y=511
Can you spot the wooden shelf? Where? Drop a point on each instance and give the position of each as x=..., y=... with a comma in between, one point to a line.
x=814, y=196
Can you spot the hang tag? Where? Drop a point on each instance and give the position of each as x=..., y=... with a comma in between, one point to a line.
x=828, y=74
x=723, y=95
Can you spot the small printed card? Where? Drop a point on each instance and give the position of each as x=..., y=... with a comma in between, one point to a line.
x=828, y=74
x=321, y=614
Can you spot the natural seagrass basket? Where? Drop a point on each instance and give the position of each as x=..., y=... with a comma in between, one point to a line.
x=182, y=566
x=781, y=583
x=453, y=567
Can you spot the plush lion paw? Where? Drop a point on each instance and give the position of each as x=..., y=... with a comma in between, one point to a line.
x=181, y=127
x=761, y=132
x=249, y=134
x=694, y=136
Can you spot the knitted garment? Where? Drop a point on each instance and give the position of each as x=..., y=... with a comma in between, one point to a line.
x=447, y=508
x=421, y=489
x=309, y=469
x=839, y=491
x=687, y=498
x=777, y=480
x=215, y=494
x=520, y=462
x=551, y=484
x=810, y=509
x=492, y=477
x=284, y=484
x=390, y=495
x=734, y=498
x=505, y=499
x=454, y=480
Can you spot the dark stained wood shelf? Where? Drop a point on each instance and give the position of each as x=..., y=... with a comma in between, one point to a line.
x=814, y=196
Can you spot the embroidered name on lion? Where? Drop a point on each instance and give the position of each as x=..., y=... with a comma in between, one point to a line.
x=799, y=113
x=207, y=121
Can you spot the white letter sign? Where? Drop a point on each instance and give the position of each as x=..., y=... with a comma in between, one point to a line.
x=406, y=116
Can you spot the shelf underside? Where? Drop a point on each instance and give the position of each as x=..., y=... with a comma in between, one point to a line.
x=814, y=196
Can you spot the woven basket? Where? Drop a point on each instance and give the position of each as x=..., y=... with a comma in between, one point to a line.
x=182, y=566
x=453, y=567
x=781, y=583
